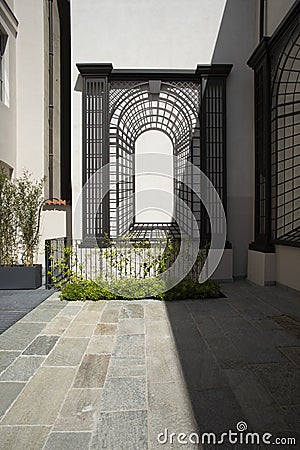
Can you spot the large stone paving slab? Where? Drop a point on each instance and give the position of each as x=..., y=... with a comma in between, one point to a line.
x=281, y=380
x=78, y=411
x=124, y=394
x=113, y=375
x=42, y=345
x=22, y=368
x=6, y=358
x=68, y=441
x=126, y=367
x=9, y=391
x=122, y=430
x=168, y=408
x=49, y=387
x=101, y=344
x=68, y=352
x=20, y=335
x=92, y=371
x=130, y=346
x=22, y=438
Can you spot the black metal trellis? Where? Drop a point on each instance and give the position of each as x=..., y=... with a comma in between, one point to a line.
x=54, y=254
x=154, y=231
x=285, y=141
x=118, y=106
x=276, y=64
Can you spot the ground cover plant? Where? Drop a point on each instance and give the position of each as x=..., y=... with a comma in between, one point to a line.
x=131, y=288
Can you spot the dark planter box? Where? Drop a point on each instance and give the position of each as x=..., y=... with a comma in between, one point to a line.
x=21, y=277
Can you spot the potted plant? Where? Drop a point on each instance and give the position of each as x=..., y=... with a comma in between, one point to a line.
x=21, y=201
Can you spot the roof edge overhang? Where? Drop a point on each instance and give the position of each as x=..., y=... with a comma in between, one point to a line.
x=266, y=44
x=107, y=70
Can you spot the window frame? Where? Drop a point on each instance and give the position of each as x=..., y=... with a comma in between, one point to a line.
x=3, y=42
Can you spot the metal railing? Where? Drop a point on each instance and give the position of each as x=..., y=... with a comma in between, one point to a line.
x=54, y=253
x=119, y=259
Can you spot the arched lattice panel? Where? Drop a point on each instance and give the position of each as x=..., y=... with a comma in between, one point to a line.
x=285, y=140
x=148, y=106
x=118, y=105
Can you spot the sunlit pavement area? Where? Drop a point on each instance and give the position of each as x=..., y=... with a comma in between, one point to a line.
x=113, y=375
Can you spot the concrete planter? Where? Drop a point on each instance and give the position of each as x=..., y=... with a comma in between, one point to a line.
x=21, y=277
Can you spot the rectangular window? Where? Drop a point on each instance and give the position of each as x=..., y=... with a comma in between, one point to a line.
x=3, y=40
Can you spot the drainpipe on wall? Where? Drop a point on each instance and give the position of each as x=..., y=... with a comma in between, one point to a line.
x=51, y=55
x=262, y=20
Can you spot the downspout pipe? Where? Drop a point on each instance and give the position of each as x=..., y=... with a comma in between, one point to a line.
x=262, y=20
x=51, y=97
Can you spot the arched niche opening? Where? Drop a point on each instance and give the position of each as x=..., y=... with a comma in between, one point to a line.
x=154, y=171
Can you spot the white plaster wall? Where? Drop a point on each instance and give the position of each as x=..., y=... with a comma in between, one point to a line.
x=236, y=41
x=30, y=87
x=52, y=225
x=261, y=268
x=145, y=33
x=8, y=106
x=10, y=3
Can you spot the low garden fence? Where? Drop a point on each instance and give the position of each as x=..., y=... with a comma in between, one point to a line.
x=119, y=259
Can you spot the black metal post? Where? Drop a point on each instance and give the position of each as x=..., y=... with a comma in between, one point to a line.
x=260, y=63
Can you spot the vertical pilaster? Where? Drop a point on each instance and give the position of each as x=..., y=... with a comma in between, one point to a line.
x=262, y=234
x=213, y=137
x=95, y=150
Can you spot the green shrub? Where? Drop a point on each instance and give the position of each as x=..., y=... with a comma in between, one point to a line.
x=84, y=290
x=136, y=288
x=132, y=288
x=189, y=289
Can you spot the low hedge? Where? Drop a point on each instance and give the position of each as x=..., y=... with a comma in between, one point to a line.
x=132, y=288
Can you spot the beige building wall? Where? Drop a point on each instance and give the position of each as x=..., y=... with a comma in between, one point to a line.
x=288, y=266
x=239, y=25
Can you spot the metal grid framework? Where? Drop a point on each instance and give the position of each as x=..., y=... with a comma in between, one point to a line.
x=95, y=156
x=213, y=156
x=261, y=181
x=154, y=232
x=118, y=106
x=285, y=140
x=276, y=64
x=55, y=255
x=168, y=107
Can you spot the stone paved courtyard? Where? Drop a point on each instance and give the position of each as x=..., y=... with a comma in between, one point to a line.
x=112, y=375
